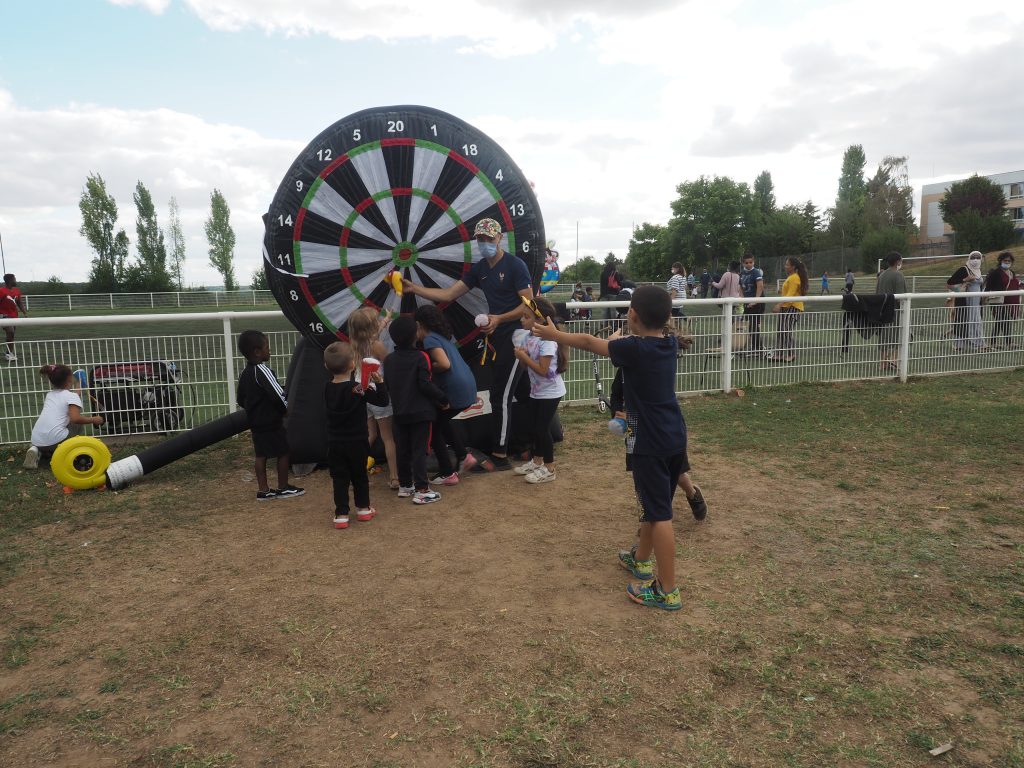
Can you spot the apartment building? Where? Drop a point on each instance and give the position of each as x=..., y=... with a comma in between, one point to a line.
x=934, y=229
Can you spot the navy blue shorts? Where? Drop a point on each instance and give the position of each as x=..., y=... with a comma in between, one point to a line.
x=269, y=445
x=655, y=480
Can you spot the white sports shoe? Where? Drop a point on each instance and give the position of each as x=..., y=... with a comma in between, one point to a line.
x=540, y=475
x=526, y=468
x=31, y=458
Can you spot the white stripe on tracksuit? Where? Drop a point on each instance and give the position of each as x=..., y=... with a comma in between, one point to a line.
x=274, y=387
x=506, y=405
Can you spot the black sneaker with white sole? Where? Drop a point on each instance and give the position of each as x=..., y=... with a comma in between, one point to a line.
x=698, y=506
x=266, y=495
x=289, y=491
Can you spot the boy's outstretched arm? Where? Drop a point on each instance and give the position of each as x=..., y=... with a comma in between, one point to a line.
x=582, y=341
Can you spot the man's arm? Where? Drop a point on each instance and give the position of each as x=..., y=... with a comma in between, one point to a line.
x=437, y=295
x=583, y=341
x=759, y=291
x=493, y=321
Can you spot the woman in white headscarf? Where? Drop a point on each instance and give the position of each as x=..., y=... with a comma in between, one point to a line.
x=967, y=329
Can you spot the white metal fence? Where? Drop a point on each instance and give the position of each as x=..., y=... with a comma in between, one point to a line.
x=78, y=302
x=162, y=383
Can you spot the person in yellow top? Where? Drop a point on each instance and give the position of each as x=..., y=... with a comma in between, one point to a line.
x=795, y=285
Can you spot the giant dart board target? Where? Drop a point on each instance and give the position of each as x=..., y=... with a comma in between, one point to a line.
x=392, y=189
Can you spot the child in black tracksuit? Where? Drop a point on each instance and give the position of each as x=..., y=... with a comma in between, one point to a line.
x=347, y=435
x=416, y=400
x=263, y=399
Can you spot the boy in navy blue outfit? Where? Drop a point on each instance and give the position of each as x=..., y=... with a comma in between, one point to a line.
x=655, y=435
x=416, y=400
x=262, y=397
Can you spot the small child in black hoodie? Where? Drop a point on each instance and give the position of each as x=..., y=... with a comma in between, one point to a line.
x=347, y=436
x=415, y=399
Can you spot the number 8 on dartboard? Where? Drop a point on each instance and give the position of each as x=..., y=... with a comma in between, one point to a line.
x=392, y=189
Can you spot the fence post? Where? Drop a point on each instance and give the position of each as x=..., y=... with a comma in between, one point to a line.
x=727, y=346
x=151, y=305
x=216, y=298
x=229, y=365
x=69, y=302
x=904, y=360
x=111, y=300
x=178, y=294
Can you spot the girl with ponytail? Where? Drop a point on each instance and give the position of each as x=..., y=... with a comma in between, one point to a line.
x=61, y=417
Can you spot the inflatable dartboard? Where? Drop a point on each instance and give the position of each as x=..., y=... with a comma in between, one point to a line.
x=392, y=188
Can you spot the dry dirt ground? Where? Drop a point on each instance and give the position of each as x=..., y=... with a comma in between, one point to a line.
x=178, y=623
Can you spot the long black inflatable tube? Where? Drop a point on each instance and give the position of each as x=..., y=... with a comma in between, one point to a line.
x=124, y=471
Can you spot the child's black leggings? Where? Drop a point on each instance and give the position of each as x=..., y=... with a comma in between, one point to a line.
x=539, y=414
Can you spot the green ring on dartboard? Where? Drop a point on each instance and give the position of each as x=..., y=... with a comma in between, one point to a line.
x=392, y=188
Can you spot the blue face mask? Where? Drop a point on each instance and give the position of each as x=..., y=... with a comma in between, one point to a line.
x=1005, y=265
x=487, y=250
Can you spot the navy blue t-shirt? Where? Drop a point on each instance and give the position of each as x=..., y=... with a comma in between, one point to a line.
x=501, y=285
x=655, y=422
x=457, y=382
x=748, y=281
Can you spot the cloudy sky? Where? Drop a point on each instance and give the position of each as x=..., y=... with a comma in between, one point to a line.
x=606, y=105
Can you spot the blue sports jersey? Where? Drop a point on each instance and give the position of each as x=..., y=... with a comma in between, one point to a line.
x=748, y=281
x=655, y=422
x=501, y=285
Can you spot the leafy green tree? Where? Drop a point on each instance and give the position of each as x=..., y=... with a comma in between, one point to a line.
x=149, y=273
x=647, y=258
x=764, y=194
x=879, y=243
x=99, y=217
x=221, y=237
x=176, y=241
x=846, y=218
x=258, y=281
x=586, y=269
x=976, y=210
x=787, y=232
x=889, y=198
x=710, y=220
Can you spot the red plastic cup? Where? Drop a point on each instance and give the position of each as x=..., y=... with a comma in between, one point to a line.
x=370, y=366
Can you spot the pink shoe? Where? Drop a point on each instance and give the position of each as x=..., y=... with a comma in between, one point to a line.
x=365, y=515
x=452, y=479
x=467, y=463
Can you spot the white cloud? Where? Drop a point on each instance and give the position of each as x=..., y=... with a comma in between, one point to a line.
x=47, y=156
x=498, y=27
x=153, y=6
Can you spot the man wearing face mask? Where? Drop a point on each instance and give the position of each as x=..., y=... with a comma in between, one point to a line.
x=504, y=279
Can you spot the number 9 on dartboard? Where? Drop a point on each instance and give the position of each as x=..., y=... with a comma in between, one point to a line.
x=392, y=189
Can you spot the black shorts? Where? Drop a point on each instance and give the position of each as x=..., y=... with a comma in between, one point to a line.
x=655, y=479
x=269, y=445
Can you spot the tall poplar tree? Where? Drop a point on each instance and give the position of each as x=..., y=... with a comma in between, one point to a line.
x=176, y=241
x=149, y=273
x=99, y=217
x=222, y=239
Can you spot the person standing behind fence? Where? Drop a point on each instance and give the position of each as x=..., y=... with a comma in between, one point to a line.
x=824, y=285
x=676, y=287
x=728, y=286
x=1005, y=309
x=752, y=285
x=849, y=281
x=891, y=281
x=789, y=311
x=11, y=301
x=967, y=328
